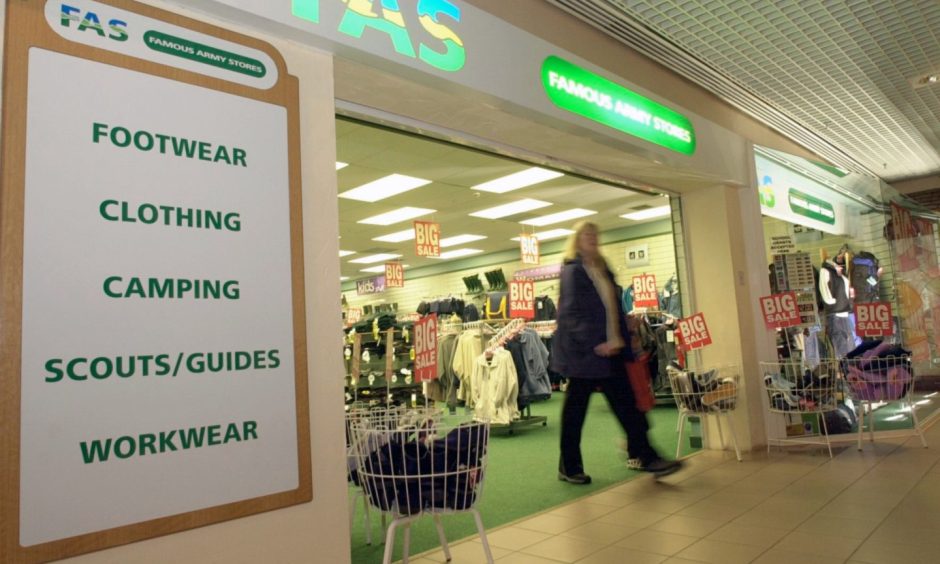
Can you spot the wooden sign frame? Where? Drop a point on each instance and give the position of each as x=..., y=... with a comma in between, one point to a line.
x=26, y=27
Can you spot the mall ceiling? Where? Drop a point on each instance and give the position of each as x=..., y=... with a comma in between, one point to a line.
x=450, y=172
x=849, y=79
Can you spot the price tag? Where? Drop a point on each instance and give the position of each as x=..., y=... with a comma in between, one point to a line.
x=426, y=348
x=693, y=332
x=394, y=275
x=644, y=291
x=780, y=310
x=873, y=319
x=427, y=239
x=522, y=299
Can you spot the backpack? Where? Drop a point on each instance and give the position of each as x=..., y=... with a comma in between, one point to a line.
x=864, y=271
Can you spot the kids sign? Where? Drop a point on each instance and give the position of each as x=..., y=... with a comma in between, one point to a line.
x=522, y=299
x=394, y=275
x=426, y=348
x=693, y=332
x=644, y=291
x=427, y=239
x=529, y=247
x=780, y=310
x=873, y=319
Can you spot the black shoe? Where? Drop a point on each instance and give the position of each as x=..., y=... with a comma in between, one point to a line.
x=661, y=467
x=580, y=478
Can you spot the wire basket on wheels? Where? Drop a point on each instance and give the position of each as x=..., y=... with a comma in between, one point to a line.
x=879, y=375
x=706, y=391
x=795, y=388
x=422, y=467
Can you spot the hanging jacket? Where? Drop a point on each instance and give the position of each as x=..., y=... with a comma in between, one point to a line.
x=495, y=388
x=536, y=385
x=834, y=288
x=469, y=347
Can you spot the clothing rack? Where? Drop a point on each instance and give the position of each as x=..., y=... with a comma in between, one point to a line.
x=505, y=333
x=511, y=328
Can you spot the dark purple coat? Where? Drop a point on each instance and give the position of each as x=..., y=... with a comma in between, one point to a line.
x=582, y=325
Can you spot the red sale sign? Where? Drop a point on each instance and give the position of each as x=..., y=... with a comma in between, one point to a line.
x=427, y=239
x=693, y=332
x=426, y=348
x=780, y=310
x=529, y=247
x=644, y=291
x=874, y=319
x=522, y=299
x=394, y=275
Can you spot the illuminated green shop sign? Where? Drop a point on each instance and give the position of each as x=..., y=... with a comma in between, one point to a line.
x=812, y=207
x=584, y=93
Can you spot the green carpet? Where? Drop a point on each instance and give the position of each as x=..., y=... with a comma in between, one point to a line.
x=522, y=475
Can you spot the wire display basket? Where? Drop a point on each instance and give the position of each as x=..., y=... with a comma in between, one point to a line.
x=421, y=466
x=794, y=388
x=873, y=380
x=707, y=391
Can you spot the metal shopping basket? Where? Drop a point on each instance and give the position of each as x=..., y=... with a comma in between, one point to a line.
x=873, y=380
x=422, y=467
x=793, y=388
x=710, y=391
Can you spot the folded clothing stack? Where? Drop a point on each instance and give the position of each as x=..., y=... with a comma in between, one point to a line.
x=807, y=390
x=702, y=391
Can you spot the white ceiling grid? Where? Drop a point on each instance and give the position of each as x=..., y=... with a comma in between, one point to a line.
x=834, y=76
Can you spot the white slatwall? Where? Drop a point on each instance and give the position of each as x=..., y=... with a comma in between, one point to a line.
x=662, y=263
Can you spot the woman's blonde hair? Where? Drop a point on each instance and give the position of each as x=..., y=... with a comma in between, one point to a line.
x=571, y=245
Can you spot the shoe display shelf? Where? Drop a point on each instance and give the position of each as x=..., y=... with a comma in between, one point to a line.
x=795, y=389
x=711, y=391
x=873, y=382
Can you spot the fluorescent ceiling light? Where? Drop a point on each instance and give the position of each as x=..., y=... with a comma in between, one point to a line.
x=558, y=217
x=505, y=210
x=520, y=179
x=396, y=216
x=380, y=269
x=343, y=253
x=340, y=165
x=375, y=258
x=397, y=237
x=343, y=278
x=384, y=187
x=661, y=211
x=456, y=253
x=550, y=234
x=460, y=240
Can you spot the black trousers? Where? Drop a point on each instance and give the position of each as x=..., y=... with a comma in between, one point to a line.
x=620, y=397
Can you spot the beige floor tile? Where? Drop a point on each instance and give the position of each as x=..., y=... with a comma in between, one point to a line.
x=733, y=498
x=657, y=542
x=690, y=526
x=718, y=552
x=523, y=558
x=552, y=524
x=771, y=519
x=630, y=518
x=838, y=527
x=783, y=556
x=892, y=553
x=742, y=534
x=514, y=538
x=466, y=553
x=892, y=532
x=710, y=510
x=678, y=560
x=601, y=533
x=620, y=555
x=662, y=503
x=563, y=549
x=837, y=548
x=609, y=497
x=840, y=508
x=583, y=510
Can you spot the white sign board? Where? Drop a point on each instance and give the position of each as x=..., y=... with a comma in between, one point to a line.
x=157, y=339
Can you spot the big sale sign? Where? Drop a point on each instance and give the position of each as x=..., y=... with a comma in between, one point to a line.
x=522, y=299
x=780, y=310
x=426, y=348
x=427, y=239
x=693, y=332
x=644, y=291
x=873, y=319
x=394, y=275
x=529, y=248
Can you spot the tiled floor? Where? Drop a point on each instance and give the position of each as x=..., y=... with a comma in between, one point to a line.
x=877, y=506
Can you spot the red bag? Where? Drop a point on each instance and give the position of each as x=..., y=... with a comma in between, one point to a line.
x=638, y=371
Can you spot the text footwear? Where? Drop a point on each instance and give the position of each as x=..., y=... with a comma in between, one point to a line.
x=661, y=467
